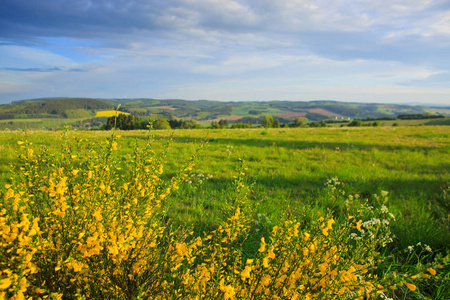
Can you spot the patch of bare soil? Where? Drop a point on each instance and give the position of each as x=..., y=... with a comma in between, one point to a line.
x=324, y=112
x=164, y=107
x=292, y=114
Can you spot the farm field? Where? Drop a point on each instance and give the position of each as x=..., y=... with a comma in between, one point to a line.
x=290, y=170
x=108, y=113
x=36, y=124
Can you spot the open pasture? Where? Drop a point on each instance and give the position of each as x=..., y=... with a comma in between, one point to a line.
x=287, y=169
x=323, y=210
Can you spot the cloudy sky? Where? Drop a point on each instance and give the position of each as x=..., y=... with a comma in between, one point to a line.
x=395, y=51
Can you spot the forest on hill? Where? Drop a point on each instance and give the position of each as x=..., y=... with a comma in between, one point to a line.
x=52, y=108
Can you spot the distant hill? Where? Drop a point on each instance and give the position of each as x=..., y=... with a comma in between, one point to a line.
x=52, y=108
x=203, y=111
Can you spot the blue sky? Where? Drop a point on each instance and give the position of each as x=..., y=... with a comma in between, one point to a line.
x=395, y=51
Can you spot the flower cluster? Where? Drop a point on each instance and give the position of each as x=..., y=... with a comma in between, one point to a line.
x=197, y=177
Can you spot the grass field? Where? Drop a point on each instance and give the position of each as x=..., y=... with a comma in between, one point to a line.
x=288, y=168
x=36, y=124
x=291, y=173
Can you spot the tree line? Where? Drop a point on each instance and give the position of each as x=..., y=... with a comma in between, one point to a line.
x=50, y=108
x=130, y=122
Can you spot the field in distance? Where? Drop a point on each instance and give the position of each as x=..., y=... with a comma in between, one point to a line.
x=87, y=113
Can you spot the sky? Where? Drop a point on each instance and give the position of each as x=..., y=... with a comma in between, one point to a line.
x=379, y=51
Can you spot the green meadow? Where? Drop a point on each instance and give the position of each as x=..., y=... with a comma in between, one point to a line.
x=286, y=170
x=396, y=177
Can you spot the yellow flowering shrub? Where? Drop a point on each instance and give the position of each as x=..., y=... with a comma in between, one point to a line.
x=87, y=223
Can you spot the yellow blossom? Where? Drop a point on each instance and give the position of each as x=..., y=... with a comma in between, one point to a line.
x=5, y=283
x=410, y=286
x=246, y=273
x=181, y=248
x=358, y=225
x=266, y=262
x=97, y=215
x=328, y=227
x=228, y=290
x=270, y=254
x=263, y=245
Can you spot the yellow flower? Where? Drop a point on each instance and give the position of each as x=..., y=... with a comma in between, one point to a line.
x=432, y=271
x=97, y=215
x=5, y=283
x=410, y=286
x=328, y=227
x=228, y=290
x=306, y=236
x=263, y=245
x=265, y=280
x=358, y=225
x=113, y=250
x=181, y=248
x=266, y=262
x=246, y=273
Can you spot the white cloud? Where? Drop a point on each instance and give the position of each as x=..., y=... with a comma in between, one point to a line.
x=440, y=24
x=251, y=48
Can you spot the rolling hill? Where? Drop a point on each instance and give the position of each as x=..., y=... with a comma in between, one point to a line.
x=86, y=110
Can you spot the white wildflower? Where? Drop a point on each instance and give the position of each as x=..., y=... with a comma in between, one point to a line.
x=353, y=236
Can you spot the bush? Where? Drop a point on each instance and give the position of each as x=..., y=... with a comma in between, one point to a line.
x=355, y=123
x=241, y=125
x=88, y=223
x=124, y=122
x=299, y=122
x=267, y=122
x=161, y=124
